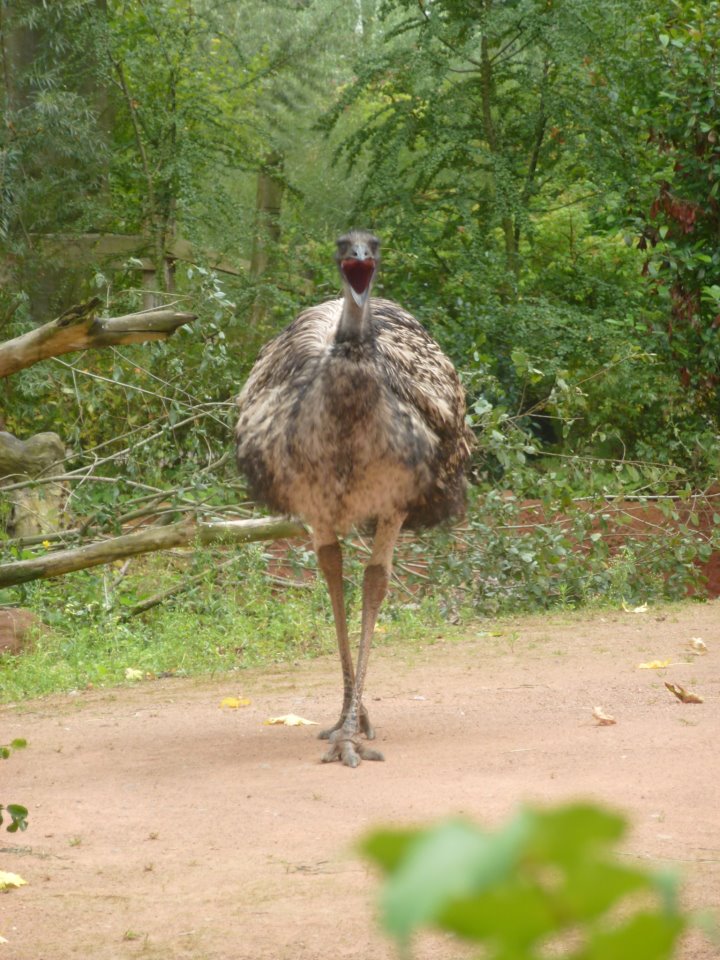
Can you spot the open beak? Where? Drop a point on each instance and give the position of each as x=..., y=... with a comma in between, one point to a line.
x=359, y=274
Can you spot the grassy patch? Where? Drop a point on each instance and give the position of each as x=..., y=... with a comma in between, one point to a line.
x=228, y=621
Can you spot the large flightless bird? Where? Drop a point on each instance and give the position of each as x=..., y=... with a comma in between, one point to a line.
x=354, y=416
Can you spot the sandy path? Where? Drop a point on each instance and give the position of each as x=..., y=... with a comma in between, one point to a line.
x=165, y=827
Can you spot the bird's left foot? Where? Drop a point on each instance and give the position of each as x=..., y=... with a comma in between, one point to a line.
x=349, y=749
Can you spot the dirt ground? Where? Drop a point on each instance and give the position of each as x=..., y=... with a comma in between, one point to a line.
x=164, y=826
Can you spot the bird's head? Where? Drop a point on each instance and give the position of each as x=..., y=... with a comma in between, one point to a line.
x=358, y=257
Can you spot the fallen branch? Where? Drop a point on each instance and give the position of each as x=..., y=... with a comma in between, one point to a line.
x=80, y=329
x=187, y=584
x=149, y=540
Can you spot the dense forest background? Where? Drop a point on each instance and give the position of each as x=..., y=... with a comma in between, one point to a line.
x=544, y=176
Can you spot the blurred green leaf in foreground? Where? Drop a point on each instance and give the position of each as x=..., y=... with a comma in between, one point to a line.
x=548, y=879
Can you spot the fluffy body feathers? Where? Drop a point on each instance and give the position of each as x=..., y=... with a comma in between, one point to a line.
x=341, y=433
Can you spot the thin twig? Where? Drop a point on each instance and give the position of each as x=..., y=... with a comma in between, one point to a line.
x=187, y=584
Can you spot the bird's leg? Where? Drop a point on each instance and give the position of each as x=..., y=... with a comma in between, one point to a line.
x=330, y=562
x=344, y=742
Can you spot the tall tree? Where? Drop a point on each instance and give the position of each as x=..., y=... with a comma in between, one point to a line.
x=480, y=111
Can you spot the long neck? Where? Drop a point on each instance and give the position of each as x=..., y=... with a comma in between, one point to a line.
x=355, y=321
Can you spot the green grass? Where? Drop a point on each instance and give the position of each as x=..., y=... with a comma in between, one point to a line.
x=228, y=622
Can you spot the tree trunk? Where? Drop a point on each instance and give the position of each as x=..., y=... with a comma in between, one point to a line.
x=268, y=204
x=487, y=96
x=35, y=510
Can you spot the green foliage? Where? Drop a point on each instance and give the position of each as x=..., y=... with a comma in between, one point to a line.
x=18, y=817
x=547, y=877
x=680, y=227
x=52, y=159
x=18, y=744
x=17, y=813
x=512, y=557
x=496, y=147
x=503, y=210
x=470, y=115
x=543, y=531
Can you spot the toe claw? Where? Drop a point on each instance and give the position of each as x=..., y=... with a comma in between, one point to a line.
x=348, y=753
x=365, y=726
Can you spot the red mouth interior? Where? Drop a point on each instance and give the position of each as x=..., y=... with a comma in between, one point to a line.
x=358, y=273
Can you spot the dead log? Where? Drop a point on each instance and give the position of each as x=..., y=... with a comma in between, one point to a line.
x=149, y=540
x=80, y=329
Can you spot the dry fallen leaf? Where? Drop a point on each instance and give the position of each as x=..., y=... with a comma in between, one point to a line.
x=698, y=644
x=643, y=608
x=603, y=719
x=292, y=720
x=686, y=696
x=234, y=702
x=8, y=880
x=654, y=665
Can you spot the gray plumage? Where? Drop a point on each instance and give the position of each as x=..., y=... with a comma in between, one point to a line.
x=353, y=414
